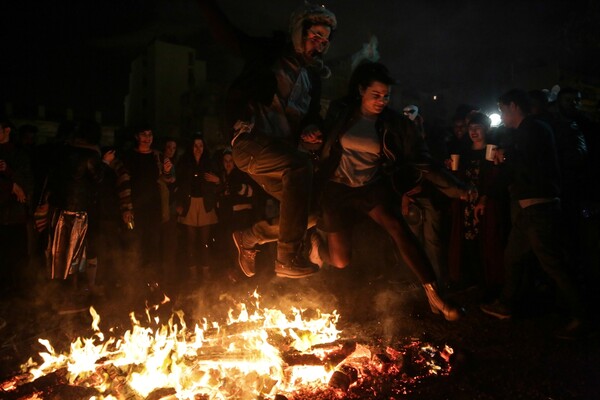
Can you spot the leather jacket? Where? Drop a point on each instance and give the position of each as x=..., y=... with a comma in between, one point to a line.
x=405, y=157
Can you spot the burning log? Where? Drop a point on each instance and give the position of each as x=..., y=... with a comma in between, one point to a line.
x=382, y=363
x=333, y=354
x=343, y=377
x=50, y=386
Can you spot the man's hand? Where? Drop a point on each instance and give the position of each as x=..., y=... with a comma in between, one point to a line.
x=19, y=193
x=212, y=178
x=127, y=216
x=2, y=166
x=312, y=135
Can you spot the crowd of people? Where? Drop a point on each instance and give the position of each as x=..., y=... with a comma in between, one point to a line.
x=481, y=206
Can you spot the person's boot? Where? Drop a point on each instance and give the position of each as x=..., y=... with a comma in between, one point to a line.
x=438, y=305
x=246, y=256
x=295, y=267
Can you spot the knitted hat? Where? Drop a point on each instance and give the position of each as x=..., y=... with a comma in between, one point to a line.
x=307, y=15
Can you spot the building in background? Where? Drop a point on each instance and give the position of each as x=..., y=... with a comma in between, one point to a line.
x=165, y=82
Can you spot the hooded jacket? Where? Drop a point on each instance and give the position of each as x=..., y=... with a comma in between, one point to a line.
x=277, y=90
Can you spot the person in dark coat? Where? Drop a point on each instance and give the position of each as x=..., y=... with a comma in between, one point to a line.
x=16, y=187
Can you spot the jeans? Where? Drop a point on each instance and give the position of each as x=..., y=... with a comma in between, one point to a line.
x=428, y=229
x=285, y=173
x=537, y=229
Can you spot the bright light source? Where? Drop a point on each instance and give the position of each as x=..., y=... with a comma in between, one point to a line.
x=495, y=118
x=434, y=97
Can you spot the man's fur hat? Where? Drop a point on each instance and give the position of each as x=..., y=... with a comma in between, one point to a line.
x=309, y=14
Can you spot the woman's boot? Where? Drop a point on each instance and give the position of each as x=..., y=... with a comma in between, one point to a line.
x=438, y=305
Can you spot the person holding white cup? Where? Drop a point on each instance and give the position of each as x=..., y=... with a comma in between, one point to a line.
x=468, y=265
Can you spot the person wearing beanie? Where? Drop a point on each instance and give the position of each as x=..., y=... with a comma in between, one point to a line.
x=272, y=108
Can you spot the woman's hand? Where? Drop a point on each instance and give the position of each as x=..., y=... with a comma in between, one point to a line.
x=167, y=165
x=109, y=157
x=479, y=209
x=407, y=198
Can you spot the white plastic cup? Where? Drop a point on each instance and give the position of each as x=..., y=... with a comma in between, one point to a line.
x=490, y=152
x=454, y=158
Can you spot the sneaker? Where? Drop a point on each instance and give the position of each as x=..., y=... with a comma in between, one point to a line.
x=246, y=257
x=296, y=268
x=496, y=309
x=315, y=243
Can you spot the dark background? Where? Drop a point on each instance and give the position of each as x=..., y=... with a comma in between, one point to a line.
x=67, y=53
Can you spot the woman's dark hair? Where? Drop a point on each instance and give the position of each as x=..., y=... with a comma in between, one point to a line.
x=205, y=157
x=367, y=73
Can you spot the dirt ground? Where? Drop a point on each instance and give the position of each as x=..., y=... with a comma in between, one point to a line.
x=379, y=304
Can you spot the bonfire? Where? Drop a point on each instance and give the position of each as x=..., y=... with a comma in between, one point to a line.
x=257, y=353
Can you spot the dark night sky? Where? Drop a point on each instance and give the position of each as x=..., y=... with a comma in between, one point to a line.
x=77, y=53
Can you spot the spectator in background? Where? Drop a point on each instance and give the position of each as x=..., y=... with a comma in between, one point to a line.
x=168, y=224
x=16, y=187
x=110, y=226
x=458, y=141
x=73, y=189
x=579, y=155
x=196, y=200
x=235, y=206
x=534, y=184
x=138, y=173
x=479, y=227
x=422, y=206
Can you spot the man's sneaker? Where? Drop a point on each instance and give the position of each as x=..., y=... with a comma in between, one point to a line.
x=496, y=309
x=296, y=268
x=246, y=257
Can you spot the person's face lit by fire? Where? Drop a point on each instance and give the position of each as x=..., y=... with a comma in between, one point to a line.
x=228, y=163
x=477, y=133
x=144, y=140
x=374, y=98
x=4, y=134
x=198, y=148
x=316, y=41
x=170, y=149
